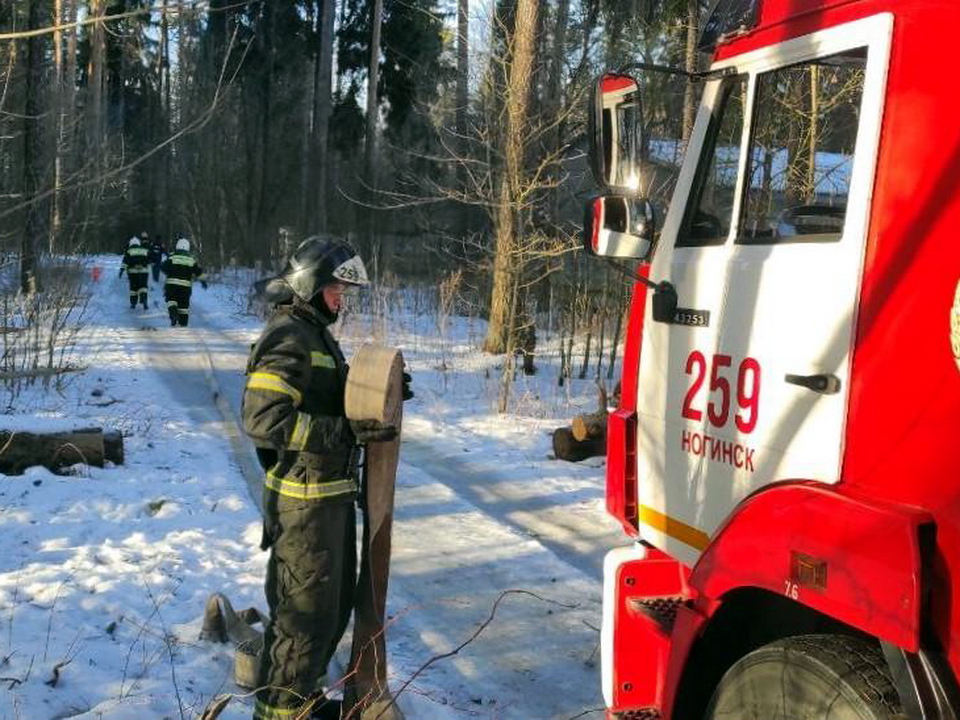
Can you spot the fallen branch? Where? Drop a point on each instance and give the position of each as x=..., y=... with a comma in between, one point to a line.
x=591, y=711
x=55, y=678
x=41, y=372
x=216, y=706
x=483, y=626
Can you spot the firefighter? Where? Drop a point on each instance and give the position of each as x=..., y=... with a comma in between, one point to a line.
x=181, y=270
x=156, y=255
x=293, y=409
x=135, y=264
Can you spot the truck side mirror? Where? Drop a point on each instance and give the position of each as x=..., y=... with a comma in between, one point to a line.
x=617, y=226
x=615, y=119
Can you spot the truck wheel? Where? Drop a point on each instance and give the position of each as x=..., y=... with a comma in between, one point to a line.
x=809, y=677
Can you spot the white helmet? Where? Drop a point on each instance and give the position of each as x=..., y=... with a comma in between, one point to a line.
x=183, y=245
x=134, y=242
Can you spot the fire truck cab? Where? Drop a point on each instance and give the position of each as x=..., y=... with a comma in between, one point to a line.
x=785, y=455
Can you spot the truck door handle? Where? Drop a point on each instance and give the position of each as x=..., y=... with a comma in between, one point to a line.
x=824, y=384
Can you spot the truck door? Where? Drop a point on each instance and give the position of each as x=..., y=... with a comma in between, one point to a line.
x=764, y=242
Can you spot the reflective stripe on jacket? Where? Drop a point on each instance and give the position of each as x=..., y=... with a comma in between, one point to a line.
x=135, y=261
x=181, y=269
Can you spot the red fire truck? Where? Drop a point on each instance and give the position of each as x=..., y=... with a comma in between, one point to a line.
x=786, y=454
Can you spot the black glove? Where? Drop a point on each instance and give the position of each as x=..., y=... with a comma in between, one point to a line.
x=407, y=392
x=204, y=284
x=368, y=431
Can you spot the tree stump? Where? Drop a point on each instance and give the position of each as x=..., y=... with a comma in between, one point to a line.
x=567, y=447
x=593, y=425
x=58, y=450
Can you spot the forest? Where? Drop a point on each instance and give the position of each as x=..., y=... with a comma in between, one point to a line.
x=445, y=139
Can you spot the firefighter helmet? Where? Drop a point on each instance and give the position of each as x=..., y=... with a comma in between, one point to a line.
x=133, y=242
x=317, y=263
x=183, y=245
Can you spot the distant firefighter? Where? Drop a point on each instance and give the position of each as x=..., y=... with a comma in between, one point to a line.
x=135, y=264
x=181, y=270
x=156, y=254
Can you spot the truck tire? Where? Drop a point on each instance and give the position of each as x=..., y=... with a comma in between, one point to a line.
x=809, y=677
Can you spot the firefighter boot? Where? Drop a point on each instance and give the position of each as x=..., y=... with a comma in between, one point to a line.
x=174, y=315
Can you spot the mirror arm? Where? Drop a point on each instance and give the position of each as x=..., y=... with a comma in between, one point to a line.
x=664, y=294
x=692, y=77
x=636, y=277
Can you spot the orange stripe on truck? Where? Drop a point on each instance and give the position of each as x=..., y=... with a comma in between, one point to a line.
x=678, y=530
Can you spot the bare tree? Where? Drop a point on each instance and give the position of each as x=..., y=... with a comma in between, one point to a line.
x=95, y=81
x=34, y=155
x=506, y=275
x=692, y=65
x=373, y=116
x=322, y=110
x=58, y=60
x=463, y=80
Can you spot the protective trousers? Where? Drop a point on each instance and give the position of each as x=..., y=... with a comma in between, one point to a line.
x=178, y=303
x=310, y=583
x=138, y=287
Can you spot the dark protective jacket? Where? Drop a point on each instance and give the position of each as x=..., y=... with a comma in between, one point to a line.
x=293, y=407
x=181, y=269
x=135, y=261
x=155, y=253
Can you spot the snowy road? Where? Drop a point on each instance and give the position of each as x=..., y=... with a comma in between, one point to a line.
x=480, y=511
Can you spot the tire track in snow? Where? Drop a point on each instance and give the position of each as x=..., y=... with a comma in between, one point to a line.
x=494, y=492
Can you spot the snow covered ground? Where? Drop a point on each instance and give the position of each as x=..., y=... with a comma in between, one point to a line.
x=105, y=573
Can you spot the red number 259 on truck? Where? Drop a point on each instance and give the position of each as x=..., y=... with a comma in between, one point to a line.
x=786, y=454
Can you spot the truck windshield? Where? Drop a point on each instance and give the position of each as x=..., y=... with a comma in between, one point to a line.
x=800, y=157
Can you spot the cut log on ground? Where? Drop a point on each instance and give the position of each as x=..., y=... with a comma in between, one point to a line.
x=566, y=447
x=58, y=450
x=593, y=425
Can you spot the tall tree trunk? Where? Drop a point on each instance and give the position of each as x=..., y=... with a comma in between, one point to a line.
x=555, y=100
x=58, y=69
x=692, y=66
x=463, y=84
x=66, y=132
x=95, y=75
x=263, y=239
x=370, y=140
x=322, y=110
x=186, y=28
x=305, y=209
x=507, y=266
x=165, y=113
x=9, y=55
x=812, y=137
x=34, y=160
